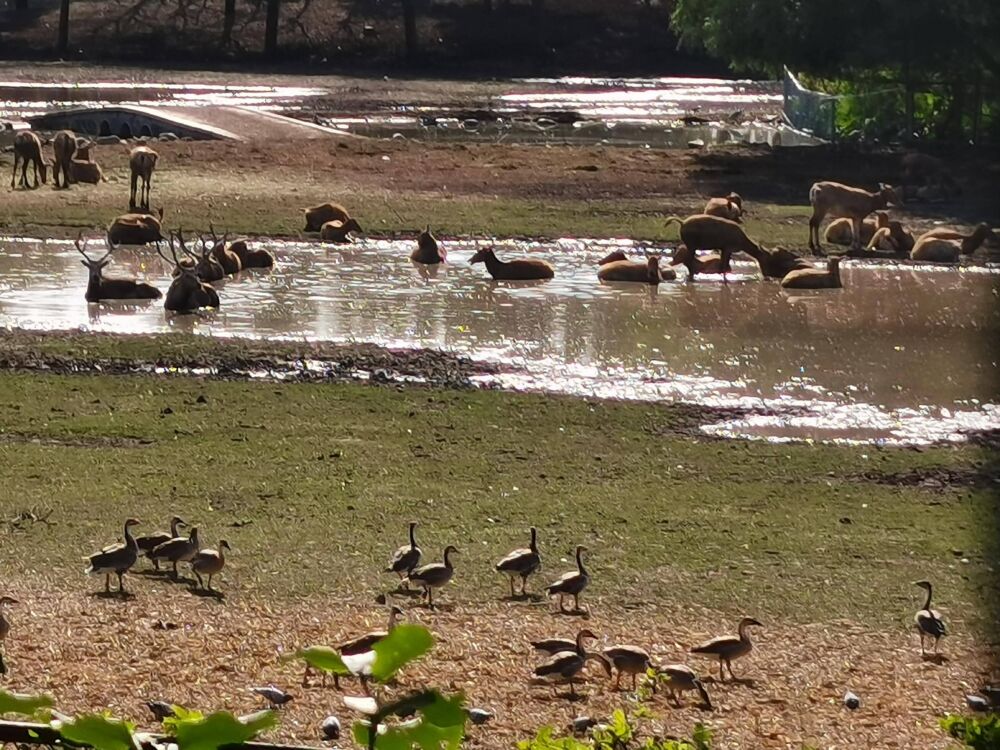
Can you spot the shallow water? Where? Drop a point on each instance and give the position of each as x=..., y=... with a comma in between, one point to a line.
x=901, y=355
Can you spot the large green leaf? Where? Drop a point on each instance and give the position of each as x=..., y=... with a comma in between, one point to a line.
x=99, y=731
x=218, y=729
x=404, y=644
x=25, y=705
x=440, y=723
x=323, y=658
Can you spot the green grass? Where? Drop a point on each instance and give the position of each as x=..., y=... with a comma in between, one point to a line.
x=328, y=475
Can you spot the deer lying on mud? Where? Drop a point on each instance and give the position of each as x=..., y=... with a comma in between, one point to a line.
x=136, y=229
x=64, y=149
x=835, y=199
x=625, y=270
x=841, y=231
x=88, y=172
x=28, y=150
x=100, y=288
x=815, y=278
x=521, y=269
x=203, y=263
x=892, y=239
x=187, y=293
x=730, y=207
x=943, y=245
x=223, y=254
x=317, y=216
x=141, y=162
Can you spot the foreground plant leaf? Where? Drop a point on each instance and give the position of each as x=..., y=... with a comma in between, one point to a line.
x=404, y=644
x=439, y=723
x=221, y=728
x=99, y=731
x=20, y=703
x=323, y=658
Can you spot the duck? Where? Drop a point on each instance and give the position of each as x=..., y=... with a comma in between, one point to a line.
x=407, y=557
x=563, y=666
x=428, y=251
x=521, y=269
x=117, y=559
x=645, y=273
x=521, y=562
x=695, y=264
x=209, y=562
x=626, y=660
x=434, y=575
x=729, y=647
x=814, y=278
x=680, y=679
x=178, y=549
x=928, y=621
x=149, y=542
x=572, y=583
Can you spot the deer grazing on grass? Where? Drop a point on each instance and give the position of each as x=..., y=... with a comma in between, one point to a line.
x=136, y=229
x=187, y=293
x=142, y=162
x=203, y=263
x=832, y=198
x=100, y=288
x=28, y=150
x=223, y=254
x=64, y=148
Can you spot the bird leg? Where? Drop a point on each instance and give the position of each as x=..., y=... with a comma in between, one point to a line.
x=107, y=583
x=572, y=688
x=923, y=651
x=618, y=681
x=305, y=676
x=511, y=587
x=201, y=583
x=576, y=602
x=210, y=581
x=175, y=574
x=121, y=582
x=430, y=597
x=634, y=685
x=729, y=666
x=524, y=586
x=722, y=676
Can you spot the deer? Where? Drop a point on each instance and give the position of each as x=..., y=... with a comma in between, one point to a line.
x=64, y=148
x=730, y=207
x=224, y=256
x=849, y=202
x=100, y=288
x=317, y=216
x=187, y=293
x=142, y=162
x=204, y=264
x=251, y=258
x=136, y=229
x=338, y=231
x=28, y=150
x=88, y=172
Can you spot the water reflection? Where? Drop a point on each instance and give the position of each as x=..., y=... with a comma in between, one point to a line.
x=900, y=354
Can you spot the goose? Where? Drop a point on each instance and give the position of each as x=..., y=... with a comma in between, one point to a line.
x=680, y=679
x=928, y=621
x=178, y=549
x=552, y=646
x=814, y=278
x=572, y=583
x=434, y=575
x=428, y=251
x=626, y=660
x=564, y=666
x=161, y=710
x=149, y=542
x=729, y=647
x=330, y=728
x=117, y=559
x=209, y=562
x=362, y=644
x=521, y=269
x=521, y=562
x=407, y=557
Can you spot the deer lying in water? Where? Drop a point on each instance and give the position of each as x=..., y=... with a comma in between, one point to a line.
x=100, y=288
x=666, y=274
x=250, y=258
x=136, y=229
x=710, y=263
x=141, y=162
x=428, y=251
x=203, y=263
x=64, y=149
x=317, y=216
x=28, y=150
x=943, y=245
x=730, y=207
x=522, y=269
x=815, y=278
x=187, y=292
x=338, y=231
x=625, y=270
x=835, y=199
x=223, y=254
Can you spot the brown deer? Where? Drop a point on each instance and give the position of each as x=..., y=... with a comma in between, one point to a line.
x=203, y=263
x=28, y=150
x=317, y=216
x=100, y=288
x=251, y=258
x=427, y=250
x=730, y=207
x=338, y=231
x=142, y=162
x=520, y=269
x=187, y=293
x=64, y=148
x=136, y=229
x=695, y=264
x=851, y=203
x=88, y=172
x=626, y=270
x=224, y=256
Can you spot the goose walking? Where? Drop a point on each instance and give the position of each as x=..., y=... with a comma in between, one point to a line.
x=564, y=666
x=179, y=549
x=630, y=660
x=434, y=575
x=117, y=559
x=928, y=621
x=209, y=562
x=572, y=583
x=521, y=562
x=150, y=542
x=729, y=647
x=680, y=679
x=407, y=557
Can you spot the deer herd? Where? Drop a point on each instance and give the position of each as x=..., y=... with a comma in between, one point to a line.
x=716, y=233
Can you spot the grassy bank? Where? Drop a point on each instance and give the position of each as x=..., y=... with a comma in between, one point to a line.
x=313, y=484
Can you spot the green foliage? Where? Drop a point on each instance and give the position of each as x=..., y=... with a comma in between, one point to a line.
x=978, y=733
x=438, y=722
x=620, y=733
x=322, y=658
x=404, y=644
x=24, y=705
x=194, y=731
x=100, y=731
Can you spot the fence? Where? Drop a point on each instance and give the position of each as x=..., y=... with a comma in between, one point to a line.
x=810, y=111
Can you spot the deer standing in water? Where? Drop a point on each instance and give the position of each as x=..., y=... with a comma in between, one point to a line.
x=100, y=288
x=142, y=162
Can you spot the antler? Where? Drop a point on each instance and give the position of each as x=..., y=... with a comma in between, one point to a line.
x=82, y=249
x=184, y=247
x=173, y=250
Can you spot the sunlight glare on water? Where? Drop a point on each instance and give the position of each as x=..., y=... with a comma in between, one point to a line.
x=901, y=355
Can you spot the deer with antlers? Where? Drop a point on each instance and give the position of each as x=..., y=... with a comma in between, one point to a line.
x=100, y=288
x=203, y=263
x=142, y=162
x=187, y=292
x=224, y=256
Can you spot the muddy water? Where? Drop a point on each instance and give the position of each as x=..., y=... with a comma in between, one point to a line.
x=901, y=355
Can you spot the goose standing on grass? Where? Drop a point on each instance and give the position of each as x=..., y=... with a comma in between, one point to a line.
x=564, y=666
x=928, y=621
x=209, y=562
x=4, y=629
x=521, y=269
x=729, y=647
x=434, y=575
x=179, y=549
x=572, y=583
x=521, y=562
x=626, y=660
x=151, y=541
x=117, y=559
x=680, y=679
x=407, y=557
